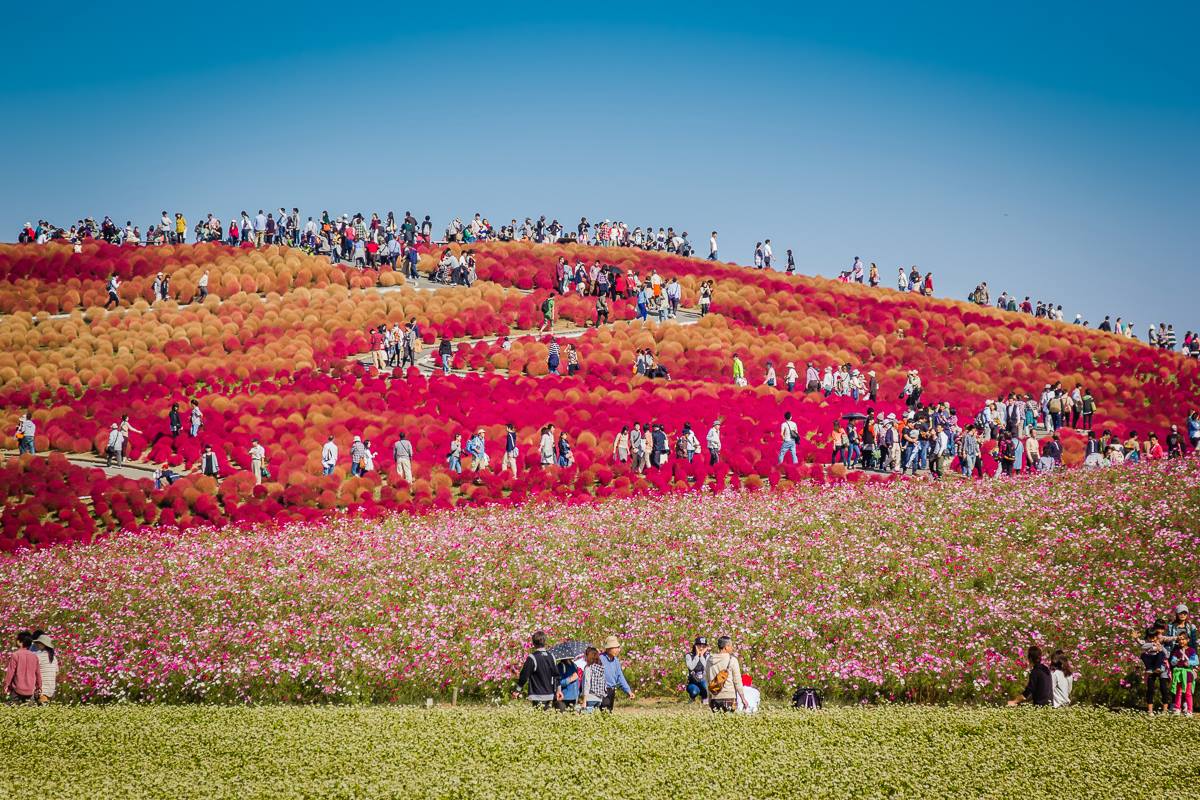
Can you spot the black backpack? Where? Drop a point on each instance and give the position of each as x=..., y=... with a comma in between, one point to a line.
x=546, y=305
x=807, y=698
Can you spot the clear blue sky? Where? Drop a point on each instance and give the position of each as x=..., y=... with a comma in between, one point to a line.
x=1047, y=148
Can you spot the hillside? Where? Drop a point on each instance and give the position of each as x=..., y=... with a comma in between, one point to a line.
x=279, y=351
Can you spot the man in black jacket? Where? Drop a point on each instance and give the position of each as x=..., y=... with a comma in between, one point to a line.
x=1039, y=689
x=541, y=673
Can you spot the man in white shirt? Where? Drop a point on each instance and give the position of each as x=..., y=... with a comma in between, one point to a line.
x=767, y=255
x=402, y=452
x=789, y=434
x=329, y=457
x=712, y=247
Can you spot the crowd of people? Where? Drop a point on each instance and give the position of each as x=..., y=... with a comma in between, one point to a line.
x=376, y=241
x=1162, y=337
x=1021, y=432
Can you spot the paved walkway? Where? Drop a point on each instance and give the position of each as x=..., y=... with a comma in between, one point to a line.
x=138, y=470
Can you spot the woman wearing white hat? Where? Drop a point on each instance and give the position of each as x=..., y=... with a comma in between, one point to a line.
x=48, y=664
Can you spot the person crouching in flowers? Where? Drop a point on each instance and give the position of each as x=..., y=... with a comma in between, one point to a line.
x=1183, y=673
x=696, y=663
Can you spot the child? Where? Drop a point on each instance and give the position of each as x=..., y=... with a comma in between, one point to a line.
x=592, y=691
x=1183, y=672
x=1154, y=661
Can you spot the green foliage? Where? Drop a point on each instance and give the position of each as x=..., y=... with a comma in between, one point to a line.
x=116, y=752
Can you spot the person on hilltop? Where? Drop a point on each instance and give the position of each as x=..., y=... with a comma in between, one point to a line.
x=696, y=664
x=1039, y=689
x=614, y=675
x=540, y=674
x=724, y=677
x=712, y=246
x=22, y=673
x=706, y=293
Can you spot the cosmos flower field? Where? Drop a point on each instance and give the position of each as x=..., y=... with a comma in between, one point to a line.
x=875, y=592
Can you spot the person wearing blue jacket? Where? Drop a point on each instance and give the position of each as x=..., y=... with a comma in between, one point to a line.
x=614, y=676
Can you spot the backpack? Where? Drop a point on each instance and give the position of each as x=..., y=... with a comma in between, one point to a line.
x=807, y=698
x=681, y=447
x=546, y=306
x=718, y=682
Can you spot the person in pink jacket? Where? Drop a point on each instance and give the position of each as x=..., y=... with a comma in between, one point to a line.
x=23, y=674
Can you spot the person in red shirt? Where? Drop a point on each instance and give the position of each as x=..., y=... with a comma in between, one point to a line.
x=23, y=674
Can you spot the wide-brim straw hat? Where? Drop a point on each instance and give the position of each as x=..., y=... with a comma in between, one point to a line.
x=610, y=643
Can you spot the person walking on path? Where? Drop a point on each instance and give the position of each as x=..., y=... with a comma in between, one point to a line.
x=475, y=446
x=724, y=676
x=614, y=675
x=402, y=454
x=540, y=674
x=114, y=449
x=358, y=453
x=546, y=446
x=789, y=434
x=553, y=356
x=202, y=286
x=547, y=314
x=454, y=457
x=446, y=354
x=329, y=456
x=258, y=460
x=22, y=674
x=509, y=462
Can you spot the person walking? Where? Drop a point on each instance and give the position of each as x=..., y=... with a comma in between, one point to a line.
x=174, y=421
x=553, y=356
x=113, y=285
x=402, y=455
x=475, y=447
x=540, y=674
x=712, y=246
x=258, y=460
x=789, y=435
x=713, y=441
x=454, y=457
x=196, y=419
x=22, y=673
x=1039, y=689
x=724, y=676
x=614, y=675
x=43, y=648
x=114, y=448
x=739, y=371
x=446, y=353
x=202, y=286
x=329, y=456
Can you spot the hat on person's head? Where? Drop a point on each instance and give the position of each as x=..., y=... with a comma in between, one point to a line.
x=790, y=365
x=114, y=426
x=701, y=640
x=1181, y=609
x=892, y=417
x=358, y=438
x=610, y=643
x=44, y=641
x=871, y=372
